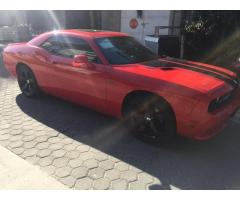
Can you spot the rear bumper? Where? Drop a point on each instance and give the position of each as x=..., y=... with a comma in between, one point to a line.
x=209, y=124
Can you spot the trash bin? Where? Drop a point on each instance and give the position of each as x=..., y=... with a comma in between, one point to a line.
x=164, y=45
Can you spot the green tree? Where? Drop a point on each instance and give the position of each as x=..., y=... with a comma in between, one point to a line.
x=212, y=36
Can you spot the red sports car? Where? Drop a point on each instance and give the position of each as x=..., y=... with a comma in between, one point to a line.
x=112, y=73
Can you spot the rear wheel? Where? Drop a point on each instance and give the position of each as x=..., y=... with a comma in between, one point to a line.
x=27, y=82
x=151, y=119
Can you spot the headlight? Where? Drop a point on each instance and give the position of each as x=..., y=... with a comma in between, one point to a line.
x=220, y=101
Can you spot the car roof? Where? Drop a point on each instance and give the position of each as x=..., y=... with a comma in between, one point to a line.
x=86, y=33
x=91, y=33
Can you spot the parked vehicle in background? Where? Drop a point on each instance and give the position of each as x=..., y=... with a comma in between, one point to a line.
x=158, y=97
x=14, y=33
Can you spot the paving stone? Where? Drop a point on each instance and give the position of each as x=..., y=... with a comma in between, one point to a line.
x=70, y=147
x=83, y=148
x=121, y=166
x=91, y=163
x=56, y=146
x=54, y=140
x=67, y=140
x=106, y=164
x=4, y=143
x=87, y=155
x=4, y=131
x=79, y=172
x=49, y=169
x=93, y=150
x=83, y=183
x=32, y=159
x=135, y=169
x=42, y=138
x=15, y=138
x=52, y=133
x=58, y=153
x=28, y=132
x=30, y=144
x=96, y=173
x=101, y=184
x=75, y=162
x=43, y=145
x=16, y=122
x=28, y=127
x=16, y=127
x=28, y=138
x=16, y=132
x=5, y=126
x=128, y=175
x=100, y=156
x=4, y=137
x=15, y=144
x=137, y=185
x=41, y=134
x=112, y=174
x=63, y=172
x=44, y=152
x=30, y=152
x=119, y=184
x=18, y=150
x=115, y=160
x=37, y=126
x=145, y=178
x=156, y=185
x=72, y=154
x=60, y=162
x=46, y=161
x=69, y=181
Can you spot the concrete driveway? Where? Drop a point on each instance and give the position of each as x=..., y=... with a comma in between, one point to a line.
x=84, y=149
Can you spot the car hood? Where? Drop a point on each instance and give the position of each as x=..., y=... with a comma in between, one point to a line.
x=197, y=76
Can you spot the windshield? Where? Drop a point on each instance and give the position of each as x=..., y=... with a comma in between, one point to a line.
x=124, y=50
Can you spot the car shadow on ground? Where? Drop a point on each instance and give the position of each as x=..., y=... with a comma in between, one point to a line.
x=186, y=164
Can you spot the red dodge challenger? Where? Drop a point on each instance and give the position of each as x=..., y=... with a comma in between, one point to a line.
x=158, y=97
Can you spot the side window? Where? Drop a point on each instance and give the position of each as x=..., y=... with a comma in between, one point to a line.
x=69, y=47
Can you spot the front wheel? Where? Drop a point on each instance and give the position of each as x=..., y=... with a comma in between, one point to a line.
x=151, y=119
x=27, y=82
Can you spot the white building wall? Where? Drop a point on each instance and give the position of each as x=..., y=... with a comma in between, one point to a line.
x=152, y=18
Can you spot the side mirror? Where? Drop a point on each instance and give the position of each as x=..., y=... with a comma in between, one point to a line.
x=80, y=60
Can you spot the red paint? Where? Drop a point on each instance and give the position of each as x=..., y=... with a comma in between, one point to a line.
x=103, y=87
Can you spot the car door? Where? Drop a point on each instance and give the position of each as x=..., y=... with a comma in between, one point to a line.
x=85, y=85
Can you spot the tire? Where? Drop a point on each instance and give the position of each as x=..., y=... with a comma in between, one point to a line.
x=151, y=119
x=27, y=82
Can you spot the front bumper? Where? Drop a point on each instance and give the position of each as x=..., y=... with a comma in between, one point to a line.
x=210, y=124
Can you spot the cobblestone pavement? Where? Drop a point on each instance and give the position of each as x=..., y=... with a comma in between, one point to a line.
x=87, y=150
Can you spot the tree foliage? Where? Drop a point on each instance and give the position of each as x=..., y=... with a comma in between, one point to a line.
x=209, y=35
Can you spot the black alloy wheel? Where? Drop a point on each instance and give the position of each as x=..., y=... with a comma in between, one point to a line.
x=27, y=82
x=151, y=119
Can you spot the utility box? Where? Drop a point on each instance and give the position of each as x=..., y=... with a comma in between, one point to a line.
x=168, y=45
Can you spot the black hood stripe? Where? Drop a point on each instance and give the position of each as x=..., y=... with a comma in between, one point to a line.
x=166, y=63
x=185, y=62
